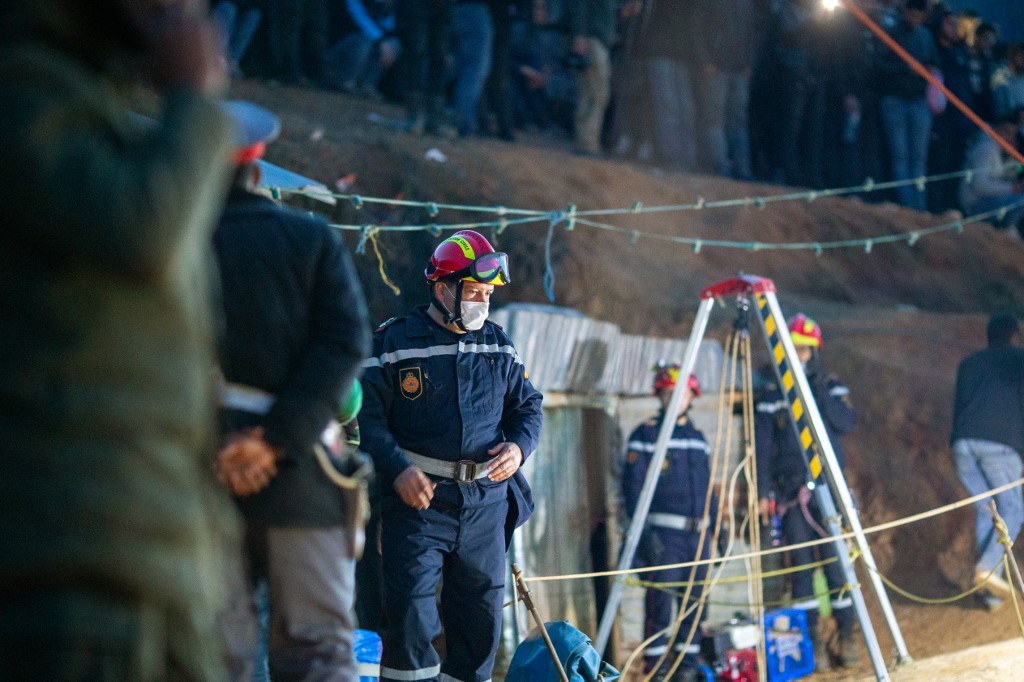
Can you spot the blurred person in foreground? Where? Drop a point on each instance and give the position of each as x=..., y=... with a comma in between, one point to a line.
x=112, y=530
x=987, y=441
x=295, y=331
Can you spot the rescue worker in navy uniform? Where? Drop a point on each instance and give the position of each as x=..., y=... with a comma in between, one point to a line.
x=674, y=521
x=295, y=332
x=782, y=470
x=448, y=417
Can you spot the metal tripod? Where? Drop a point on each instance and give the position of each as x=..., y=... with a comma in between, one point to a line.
x=818, y=453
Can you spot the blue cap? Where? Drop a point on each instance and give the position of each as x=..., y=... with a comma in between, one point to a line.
x=253, y=124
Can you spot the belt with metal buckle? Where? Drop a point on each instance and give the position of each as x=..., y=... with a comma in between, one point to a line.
x=462, y=471
x=245, y=398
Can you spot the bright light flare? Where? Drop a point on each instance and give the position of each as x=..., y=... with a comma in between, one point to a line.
x=830, y=4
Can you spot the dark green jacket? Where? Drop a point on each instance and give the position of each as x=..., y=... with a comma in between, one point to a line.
x=106, y=345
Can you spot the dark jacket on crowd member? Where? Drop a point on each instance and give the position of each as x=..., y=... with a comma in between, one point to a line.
x=295, y=327
x=895, y=77
x=674, y=30
x=591, y=18
x=989, y=397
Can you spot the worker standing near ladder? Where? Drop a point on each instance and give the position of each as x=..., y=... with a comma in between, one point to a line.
x=782, y=473
x=449, y=416
x=674, y=522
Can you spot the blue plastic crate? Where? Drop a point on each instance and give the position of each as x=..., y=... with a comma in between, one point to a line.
x=367, y=646
x=788, y=645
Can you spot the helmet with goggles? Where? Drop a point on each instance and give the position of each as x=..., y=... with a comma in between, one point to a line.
x=467, y=256
x=464, y=257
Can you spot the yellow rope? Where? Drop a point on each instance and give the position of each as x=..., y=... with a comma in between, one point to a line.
x=785, y=548
x=380, y=268
x=635, y=582
x=1010, y=571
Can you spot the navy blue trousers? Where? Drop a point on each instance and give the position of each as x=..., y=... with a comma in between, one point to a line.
x=673, y=547
x=460, y=542
x=797, y=530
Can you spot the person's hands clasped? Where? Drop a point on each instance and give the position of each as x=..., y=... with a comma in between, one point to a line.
x=415, y=489
x=509, y=459
x=246, y=463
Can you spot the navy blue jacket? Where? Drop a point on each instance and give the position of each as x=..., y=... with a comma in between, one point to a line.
x=295, y=325
x=780, y=460
x=685, y=475
x=447, y=396
x=989, y=403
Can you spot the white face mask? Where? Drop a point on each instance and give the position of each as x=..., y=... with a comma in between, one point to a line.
x=473, y=314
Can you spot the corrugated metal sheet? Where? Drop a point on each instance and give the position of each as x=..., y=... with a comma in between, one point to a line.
x=556, y=540
x=568, y=352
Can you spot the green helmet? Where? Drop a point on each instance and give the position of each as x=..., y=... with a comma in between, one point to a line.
x=351, y=403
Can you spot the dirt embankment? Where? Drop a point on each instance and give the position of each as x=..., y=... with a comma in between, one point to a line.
x=897, y=320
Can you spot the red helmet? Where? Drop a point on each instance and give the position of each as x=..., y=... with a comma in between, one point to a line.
x=467, y=255
x=667, y=374
x=804, y=331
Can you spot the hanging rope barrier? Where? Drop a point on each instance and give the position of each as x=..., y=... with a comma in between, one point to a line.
x=638, y=208
x=698, y=243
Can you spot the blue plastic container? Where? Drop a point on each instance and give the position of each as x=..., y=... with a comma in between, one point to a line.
x=788, y=645
x=367, y=646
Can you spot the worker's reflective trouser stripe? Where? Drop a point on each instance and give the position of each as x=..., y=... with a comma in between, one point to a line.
x=662, y=648
x=808, y=604
x=410, y=675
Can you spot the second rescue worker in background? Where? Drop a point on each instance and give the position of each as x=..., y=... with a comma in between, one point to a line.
x=675, y=520
x=449, y=416
x=782, y=470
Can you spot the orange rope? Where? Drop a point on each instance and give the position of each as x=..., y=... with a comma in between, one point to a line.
x=927, y=75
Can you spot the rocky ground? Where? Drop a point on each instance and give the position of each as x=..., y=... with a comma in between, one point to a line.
x=897, y=318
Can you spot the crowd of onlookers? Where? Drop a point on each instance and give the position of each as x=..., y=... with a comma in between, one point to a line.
x=786, y=91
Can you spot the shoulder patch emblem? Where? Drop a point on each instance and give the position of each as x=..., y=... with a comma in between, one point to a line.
x=631, y=457
x=411, y=381
x=387, y=323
